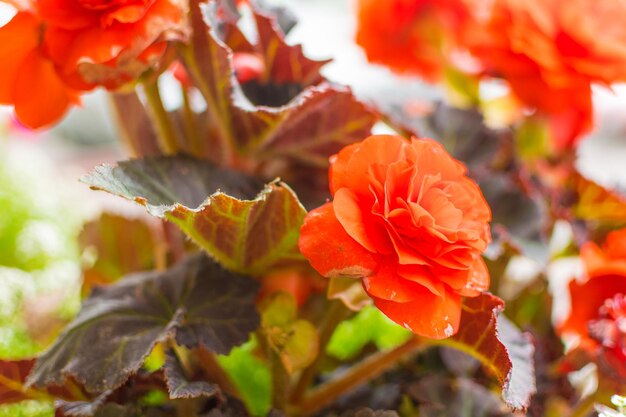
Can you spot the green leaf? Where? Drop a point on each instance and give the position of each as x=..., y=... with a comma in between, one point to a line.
x=179, y=386
x=251, y=376
x=27, y=409
x=368, y=326
x=499, y=345
x=533, y=138
x=196, y=303
x=245, y=235
x=295, y=341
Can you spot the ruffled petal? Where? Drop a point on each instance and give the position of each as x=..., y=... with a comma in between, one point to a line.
x=18, y=38
x=40, y=97
x=428, y=315
x=598, y=263
x=387, y=284
x=66, y=14
x=353, y=220
x=587, y=298
x=330, y=250
x=352, y=169
x=474, y=281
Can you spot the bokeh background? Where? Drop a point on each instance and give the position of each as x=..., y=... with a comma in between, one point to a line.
x=43, y=206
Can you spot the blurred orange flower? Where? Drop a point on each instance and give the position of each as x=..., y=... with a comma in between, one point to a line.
x=109, y=42
x=411, y=36
x=550, y=55
x=409, y=222
x=28, y=79
x=598, y=313
x=52, y=50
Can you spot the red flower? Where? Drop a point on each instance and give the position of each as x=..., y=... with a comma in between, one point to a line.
x=598, y=314
x=52, y=49
x=407, y=220
x=413, y=36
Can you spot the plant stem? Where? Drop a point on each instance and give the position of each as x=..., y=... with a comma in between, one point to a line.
x=209, y=364
x=217, y=116
x=335, y=314
x=168, y=141
x=119, y=103
x=195, y=144
x=584, y=407
x=280, y=378
x=360, y=373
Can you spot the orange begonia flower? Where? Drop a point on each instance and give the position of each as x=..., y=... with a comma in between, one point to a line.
x=28, y=79
x=551, y=54
x=409, y=222
x=598, y=313
x=109, y=43
x=52, y=50
x=410, y=36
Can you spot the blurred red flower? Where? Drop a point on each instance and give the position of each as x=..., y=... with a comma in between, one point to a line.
x=412, y=36
x=53, y=48
x=409, y=222
x=598, y=313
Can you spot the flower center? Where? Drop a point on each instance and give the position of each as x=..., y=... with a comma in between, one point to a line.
x=610, y=328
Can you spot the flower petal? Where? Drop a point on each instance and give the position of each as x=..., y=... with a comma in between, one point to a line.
x=387, y=284
x=353, y=164
x=352, y=219
x=17, y=39
x=587, y=298
x=330, y=250
x=428, y=315
x=32, y=107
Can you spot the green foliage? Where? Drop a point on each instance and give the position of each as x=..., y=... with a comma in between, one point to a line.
x=295, y=341
x=368, y=326
x=27, y=409
x=251, y=376
x=37, y=226
x=38, y=248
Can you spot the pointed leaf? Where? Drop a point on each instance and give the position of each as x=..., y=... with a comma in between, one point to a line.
x=499, y=345
x=283, y=63
x=196, y=302
x=179, y=386
x=315, y=124
x=247, y=236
